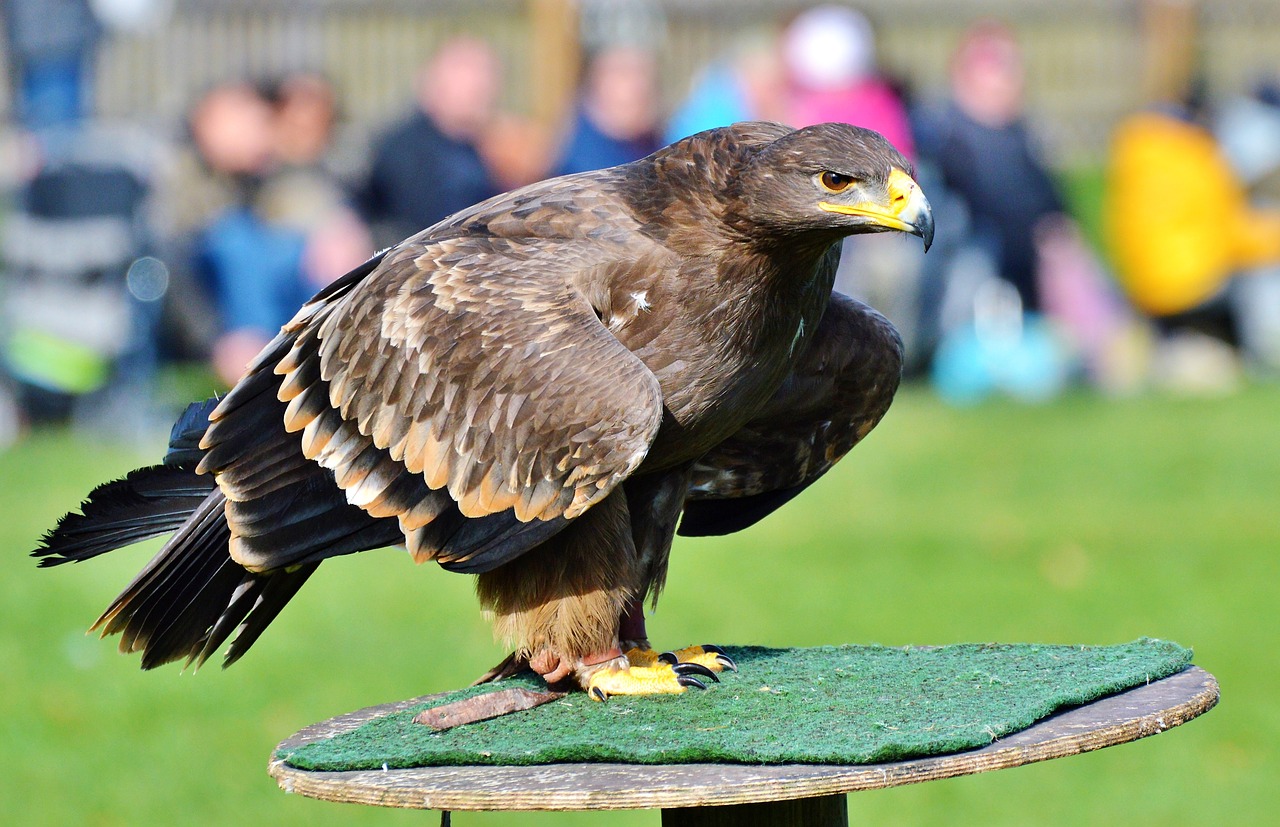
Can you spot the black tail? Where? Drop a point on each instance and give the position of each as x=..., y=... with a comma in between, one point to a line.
x=192, y=595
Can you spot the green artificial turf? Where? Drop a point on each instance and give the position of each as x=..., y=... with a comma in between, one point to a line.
x=822, y=705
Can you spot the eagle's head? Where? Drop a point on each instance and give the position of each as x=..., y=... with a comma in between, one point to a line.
x=835, y=179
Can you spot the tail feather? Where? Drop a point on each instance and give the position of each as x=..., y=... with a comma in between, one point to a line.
x=184, y=439
x=170, y=583
x=146, y=503
x=192, y=596
x=270, y=596
x=182, y=634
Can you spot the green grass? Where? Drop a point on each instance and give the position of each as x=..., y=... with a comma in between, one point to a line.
x=1085, y=521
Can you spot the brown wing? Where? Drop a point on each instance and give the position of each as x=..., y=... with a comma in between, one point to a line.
x=465, y=379
x=837, y=392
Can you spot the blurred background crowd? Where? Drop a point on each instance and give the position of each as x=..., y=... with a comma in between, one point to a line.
x=179, y=176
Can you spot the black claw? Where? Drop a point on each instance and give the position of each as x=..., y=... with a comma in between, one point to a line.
x=669, y=658
x=694, y=669
x=599, y=693
x=722, y=657
x=689, y=680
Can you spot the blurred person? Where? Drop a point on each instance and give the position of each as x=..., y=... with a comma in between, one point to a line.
x=79, y=337
x=74, y=317
x=1248, y=129
x=305, y=113
x=429, y=165
x=296, y=232
x=616, y=119
x=1188, y=245
x=248, y=264
x=517, y=150
x=1026, y=264
x=227, y=151
x=303, y=188
x=830, y=73
x=829, y=57
x=984, y=152
x=744, y=84
x=253, y=215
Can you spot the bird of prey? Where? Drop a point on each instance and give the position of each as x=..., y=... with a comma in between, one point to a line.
x=537, y=391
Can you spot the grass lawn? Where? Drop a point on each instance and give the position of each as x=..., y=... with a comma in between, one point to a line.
x=1085, y=521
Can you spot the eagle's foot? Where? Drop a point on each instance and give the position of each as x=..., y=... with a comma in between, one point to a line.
x=712, y=657
x=659, y=679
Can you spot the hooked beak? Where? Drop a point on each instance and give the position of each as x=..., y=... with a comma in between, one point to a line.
x=906, y=209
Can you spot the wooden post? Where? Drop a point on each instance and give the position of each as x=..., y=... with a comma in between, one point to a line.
x=1169, y=41
x=554, y=58
x=825, y=811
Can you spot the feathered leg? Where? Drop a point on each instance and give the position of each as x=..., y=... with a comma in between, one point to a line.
x=559, y=605
x=570, y=605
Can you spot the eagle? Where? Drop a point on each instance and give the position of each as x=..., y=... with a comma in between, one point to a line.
x=540, y=391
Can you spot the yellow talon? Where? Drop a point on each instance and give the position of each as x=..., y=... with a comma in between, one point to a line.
x=643, y=657
x=637, y=680
x=712, y=657
x=653, y=673
x=715, y=661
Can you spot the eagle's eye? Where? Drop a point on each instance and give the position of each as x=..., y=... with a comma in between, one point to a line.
x=835, y=182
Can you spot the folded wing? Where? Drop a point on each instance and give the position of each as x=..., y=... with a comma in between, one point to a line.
x=463, y=386
x=836, y=393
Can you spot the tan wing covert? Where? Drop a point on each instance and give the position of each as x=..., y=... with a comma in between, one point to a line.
x=472, y=361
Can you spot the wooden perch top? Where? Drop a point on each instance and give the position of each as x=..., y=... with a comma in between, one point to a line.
x=1145, y=710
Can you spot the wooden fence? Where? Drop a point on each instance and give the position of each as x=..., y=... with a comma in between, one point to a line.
x=1085, y=60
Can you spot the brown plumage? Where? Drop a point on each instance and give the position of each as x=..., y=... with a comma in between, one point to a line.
x=534, y=391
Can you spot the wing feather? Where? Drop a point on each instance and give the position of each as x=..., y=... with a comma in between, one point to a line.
x=462, y=378
x=837, y=392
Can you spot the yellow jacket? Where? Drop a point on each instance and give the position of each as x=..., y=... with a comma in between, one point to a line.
x=1177, y=219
